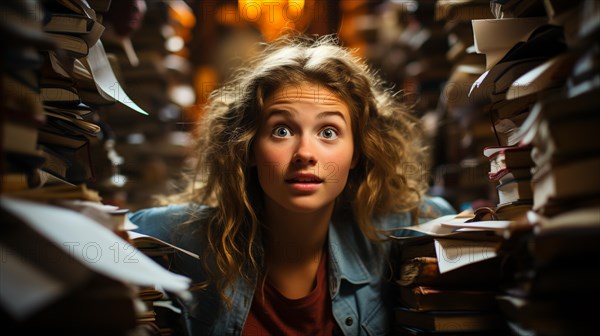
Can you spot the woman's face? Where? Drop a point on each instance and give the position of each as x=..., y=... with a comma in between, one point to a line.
x=304, y=148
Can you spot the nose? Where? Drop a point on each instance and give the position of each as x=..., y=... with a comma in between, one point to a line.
x=304, y=154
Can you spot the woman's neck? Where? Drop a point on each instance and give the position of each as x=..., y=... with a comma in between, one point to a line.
x=295, y=238
x=293, y=249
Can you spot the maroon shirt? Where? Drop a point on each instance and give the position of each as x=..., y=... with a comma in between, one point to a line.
x=278, y=315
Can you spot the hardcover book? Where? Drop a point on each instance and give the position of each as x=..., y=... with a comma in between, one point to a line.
x=450, y=320
x=422, y=298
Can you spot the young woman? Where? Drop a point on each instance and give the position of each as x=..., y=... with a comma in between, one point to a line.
x=302, y=175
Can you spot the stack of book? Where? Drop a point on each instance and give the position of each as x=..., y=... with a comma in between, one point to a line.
x=560, y=127
x=510, y=172
x=448, y=280
x=549, y=295
x=163, y=312
x=68, y=268
x=92, y=290
x=21, y=107
x=462, y=131
x=515, y=42
x=150, y=149
x=62, y=122
x=556, y=258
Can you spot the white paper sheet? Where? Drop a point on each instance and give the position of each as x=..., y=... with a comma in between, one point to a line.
x=94, y=245
x=24, y=288
x=105, y=79
x=455, y=253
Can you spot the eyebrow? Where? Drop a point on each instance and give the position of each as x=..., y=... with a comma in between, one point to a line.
x=321, y=115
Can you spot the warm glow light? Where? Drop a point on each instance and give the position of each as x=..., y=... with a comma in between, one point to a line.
x=272, y=17
x=182, y=13
x=174, y=44
x=183, y=95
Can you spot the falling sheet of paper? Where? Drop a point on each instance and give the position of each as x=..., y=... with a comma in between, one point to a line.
x=105, y=79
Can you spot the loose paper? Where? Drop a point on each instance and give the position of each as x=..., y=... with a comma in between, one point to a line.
x=455, y=253
x=94, y=245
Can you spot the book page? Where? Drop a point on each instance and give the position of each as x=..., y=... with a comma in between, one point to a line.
x=94, y=245
x=24, y=287
x=105, y=79
x=436, y=229
x=455, y=253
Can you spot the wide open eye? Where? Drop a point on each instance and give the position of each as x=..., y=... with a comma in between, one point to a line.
x=328, y=133
x=281, y=132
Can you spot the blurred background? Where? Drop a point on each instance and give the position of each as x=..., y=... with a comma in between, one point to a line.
x=185, y=49
x=164, y=57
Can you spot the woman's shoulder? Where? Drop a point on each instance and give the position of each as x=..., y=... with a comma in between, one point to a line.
x=161, y=221
x=434, y=206
x=430, y=208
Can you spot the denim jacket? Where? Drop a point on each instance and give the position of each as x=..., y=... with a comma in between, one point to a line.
x=358, y=286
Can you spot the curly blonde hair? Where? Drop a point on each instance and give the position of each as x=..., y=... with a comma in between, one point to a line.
x=387, y=138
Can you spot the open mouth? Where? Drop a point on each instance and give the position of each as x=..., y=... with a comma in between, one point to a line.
x=304, y=179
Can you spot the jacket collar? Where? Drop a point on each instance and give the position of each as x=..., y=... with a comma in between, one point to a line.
x=345, y=250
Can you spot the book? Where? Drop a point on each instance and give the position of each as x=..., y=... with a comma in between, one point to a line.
x=57, y=137
x=514, y=190
x=422, y=298
x=58, y=192
x=122, y=265
x=54, y=163
x=75, y=125
x=74, y=45
x=495, y=37
x=80, y=164
x=549, y=316
x=575, y=179
x=425, y=246
x=424, y=271
x=100, y=6
x=452, y=10
x=504, y=175
x=568, y=139
x=44, y=178
x=14, y=182
x=508, y=157
x=19, y=137
x=68, y=23
x=517, y=8
x=60, y=95
x=21, y=25
x=552, y=73
x=76, y=111
x=508, y=109
x=513, y=71
x=543, y=43
x=567, y=238
x=449, y=320
x=402, y=330
x=513, y=210
x=81, y=7
x=21, y=102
